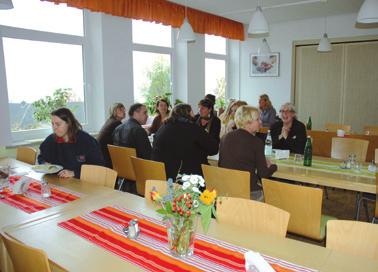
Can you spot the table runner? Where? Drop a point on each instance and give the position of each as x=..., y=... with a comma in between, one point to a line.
x=327, y=166
x=32, y=201
x=150, y=251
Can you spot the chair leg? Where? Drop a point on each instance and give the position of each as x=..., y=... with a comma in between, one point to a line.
x=326, y=193
x=120, y=182
x=358, y=203
x=364, y=201
x=374, y=220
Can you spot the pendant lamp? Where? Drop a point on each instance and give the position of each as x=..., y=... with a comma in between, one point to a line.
x=6, y=4
x=186, y=33
x=258, y=23
x=368, y=12
x=324, y=44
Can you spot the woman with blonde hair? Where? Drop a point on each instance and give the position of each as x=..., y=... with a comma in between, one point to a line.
x=241, y=149
x=227, y=118
x=267, y=112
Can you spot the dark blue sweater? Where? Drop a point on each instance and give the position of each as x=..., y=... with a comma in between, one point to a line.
x=85, y=150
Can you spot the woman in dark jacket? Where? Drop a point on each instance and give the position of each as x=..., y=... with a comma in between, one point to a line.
x=182, y=145
x=69, y=146
x=105, y=137
x=207, y=119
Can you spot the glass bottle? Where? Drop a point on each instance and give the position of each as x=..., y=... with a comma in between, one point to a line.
x=268, y=145
x=308, y=152
x=309, y=123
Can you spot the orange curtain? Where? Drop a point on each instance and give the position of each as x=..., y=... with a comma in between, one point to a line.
x=162, y=11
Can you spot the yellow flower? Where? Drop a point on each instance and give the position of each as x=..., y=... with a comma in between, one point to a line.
x=155, y=196
x=208, y=197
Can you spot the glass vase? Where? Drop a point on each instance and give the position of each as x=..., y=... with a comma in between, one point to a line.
x=181, y=233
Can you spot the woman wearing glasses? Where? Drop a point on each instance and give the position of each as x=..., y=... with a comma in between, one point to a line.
x=289, y=133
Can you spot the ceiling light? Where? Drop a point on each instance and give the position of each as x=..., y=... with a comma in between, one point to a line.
x=6, y=4
x=368, y=12
x=258, y=23
x=324, y=44
x=186, y=33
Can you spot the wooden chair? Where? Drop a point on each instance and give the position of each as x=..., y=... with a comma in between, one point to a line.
x=353, y=238
x=121, y=162
x=364, y=200
x=376, y=156
x=26, y=154
x=371, y=130
x=227, y=182
x=334, y=127
x=252, y=215
x=343, y=147
x=25, y=258
x=98, y=175
x=304, y=205
x=146, y=169
x=159, y=185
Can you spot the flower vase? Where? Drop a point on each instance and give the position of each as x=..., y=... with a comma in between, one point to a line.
x=181, y=233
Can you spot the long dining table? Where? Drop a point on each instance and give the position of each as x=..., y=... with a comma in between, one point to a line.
x=70, y=252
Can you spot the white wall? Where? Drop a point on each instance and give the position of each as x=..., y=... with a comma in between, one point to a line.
x=280, y=40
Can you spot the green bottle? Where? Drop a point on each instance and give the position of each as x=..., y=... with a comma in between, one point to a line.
x=308, y=152
x=309, y=124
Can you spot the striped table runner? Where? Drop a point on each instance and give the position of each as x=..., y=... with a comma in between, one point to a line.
x=150, y=251
x=32, y=201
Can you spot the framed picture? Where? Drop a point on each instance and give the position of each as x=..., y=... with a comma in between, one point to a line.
x=266, y=65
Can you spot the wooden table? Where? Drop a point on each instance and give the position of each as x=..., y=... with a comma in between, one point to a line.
x=77, y=254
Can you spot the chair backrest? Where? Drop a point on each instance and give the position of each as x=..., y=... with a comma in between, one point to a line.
x=227, y=182
x=303, y=203
x=159, y=185
x=353, y=238
x=121, y=161
x=146, y=169
x=252, y=215
x=376, y=156
x=341, y=148
x=25, y=258
x=334, y=127
x=371, y=130
x=98, y=175
x=376, y=199
x=26, y=154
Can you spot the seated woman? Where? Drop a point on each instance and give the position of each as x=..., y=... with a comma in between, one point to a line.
x=267, y=112
x=207, y=120
x=289, y=133
x=227, y=118
x=182, y=145
x=242, y=150
x=69, y=146
x=162, y=110
x=105, y=137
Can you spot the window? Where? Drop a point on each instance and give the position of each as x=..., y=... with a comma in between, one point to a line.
x=152, y=53
x=43, y=59
x=215, y=68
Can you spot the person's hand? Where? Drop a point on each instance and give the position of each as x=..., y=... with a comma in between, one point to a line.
x=268, y=163
x=285, y=132
x=66, y=174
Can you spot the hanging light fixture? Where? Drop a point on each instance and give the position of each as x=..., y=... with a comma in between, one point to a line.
x=258, y=23
x=186, y=33
x=6, y=4
x=324, y=44
x=368, y=12
x=264, y=49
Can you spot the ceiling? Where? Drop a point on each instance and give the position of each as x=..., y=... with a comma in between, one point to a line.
x=241, y=10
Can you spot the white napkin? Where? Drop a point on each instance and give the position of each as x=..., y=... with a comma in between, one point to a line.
x=254, y=262
x=282, y=154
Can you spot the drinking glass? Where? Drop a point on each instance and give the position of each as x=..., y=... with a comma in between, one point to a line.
x=298, y=158
x=45, y=188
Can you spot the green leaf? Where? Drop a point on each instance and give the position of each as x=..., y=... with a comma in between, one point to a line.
x=162, y=211
x=205, y=217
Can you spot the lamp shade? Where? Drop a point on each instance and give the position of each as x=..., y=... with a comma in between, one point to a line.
x=258, y=23
x=186, y=33
x=324, y=44
x=368, y=12
x=264, y=49
x=6, y=4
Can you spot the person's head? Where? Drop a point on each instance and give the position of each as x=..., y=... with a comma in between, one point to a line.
x=138, y=111
x=118, y=111
x=211, y=97
x=231, y=109
x=248, y=118
x=162, y=107
x=264, y=102
x=206, y=108
x=181, y=112
x=288, y=113
x=64, y=123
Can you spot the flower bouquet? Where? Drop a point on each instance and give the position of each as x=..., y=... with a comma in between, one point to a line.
x=180, y=209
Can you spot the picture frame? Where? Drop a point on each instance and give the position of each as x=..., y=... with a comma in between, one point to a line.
x=264, y=65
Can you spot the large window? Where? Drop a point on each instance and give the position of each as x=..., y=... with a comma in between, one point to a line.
x=215, y=68
x=152, y=53
x=43, y=59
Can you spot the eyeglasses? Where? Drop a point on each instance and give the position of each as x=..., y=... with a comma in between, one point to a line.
x=285, y=111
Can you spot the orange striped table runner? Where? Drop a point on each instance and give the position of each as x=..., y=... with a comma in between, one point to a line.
x=150, y=251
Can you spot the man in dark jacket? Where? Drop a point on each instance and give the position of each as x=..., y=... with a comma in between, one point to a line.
x=132, y=134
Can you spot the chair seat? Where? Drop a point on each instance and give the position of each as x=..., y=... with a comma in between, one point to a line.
x=323, y=223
